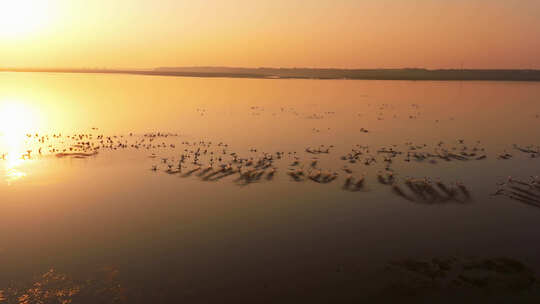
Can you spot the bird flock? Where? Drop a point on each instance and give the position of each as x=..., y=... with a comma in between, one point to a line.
x=352, y=166
x=523, y=191
x=214, y=161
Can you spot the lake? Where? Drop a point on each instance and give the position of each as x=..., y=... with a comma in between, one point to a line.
x=152, y=189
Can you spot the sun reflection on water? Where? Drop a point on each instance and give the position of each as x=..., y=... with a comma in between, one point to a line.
x=15, y=121
x=13, y=173
x=12, y=144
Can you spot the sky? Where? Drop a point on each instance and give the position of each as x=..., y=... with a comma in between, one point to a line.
x=270, y=33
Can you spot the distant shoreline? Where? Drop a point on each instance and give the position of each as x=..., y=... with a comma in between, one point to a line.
x=307, y=73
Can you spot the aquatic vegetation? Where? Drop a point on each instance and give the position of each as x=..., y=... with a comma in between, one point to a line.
x=103, y=286
x=415, y=277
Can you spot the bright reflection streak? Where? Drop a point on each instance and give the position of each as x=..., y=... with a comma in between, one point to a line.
x=12, y=172
x=15, y=121
x=12, y=159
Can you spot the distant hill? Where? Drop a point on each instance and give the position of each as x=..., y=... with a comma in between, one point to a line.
x=381, y=74
x=308, y=73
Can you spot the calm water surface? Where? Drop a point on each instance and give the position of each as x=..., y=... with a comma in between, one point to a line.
x=167, y=237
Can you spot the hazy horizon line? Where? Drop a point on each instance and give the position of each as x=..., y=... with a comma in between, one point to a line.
x=308, y=73
x=4, y=68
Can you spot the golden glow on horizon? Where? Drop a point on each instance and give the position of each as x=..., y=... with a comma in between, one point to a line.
x=20, y=17
x=271, y=33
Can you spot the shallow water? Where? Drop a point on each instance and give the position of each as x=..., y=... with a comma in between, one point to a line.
x=169, y=236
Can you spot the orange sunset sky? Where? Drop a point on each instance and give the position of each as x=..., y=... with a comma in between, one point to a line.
x=272, y=33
